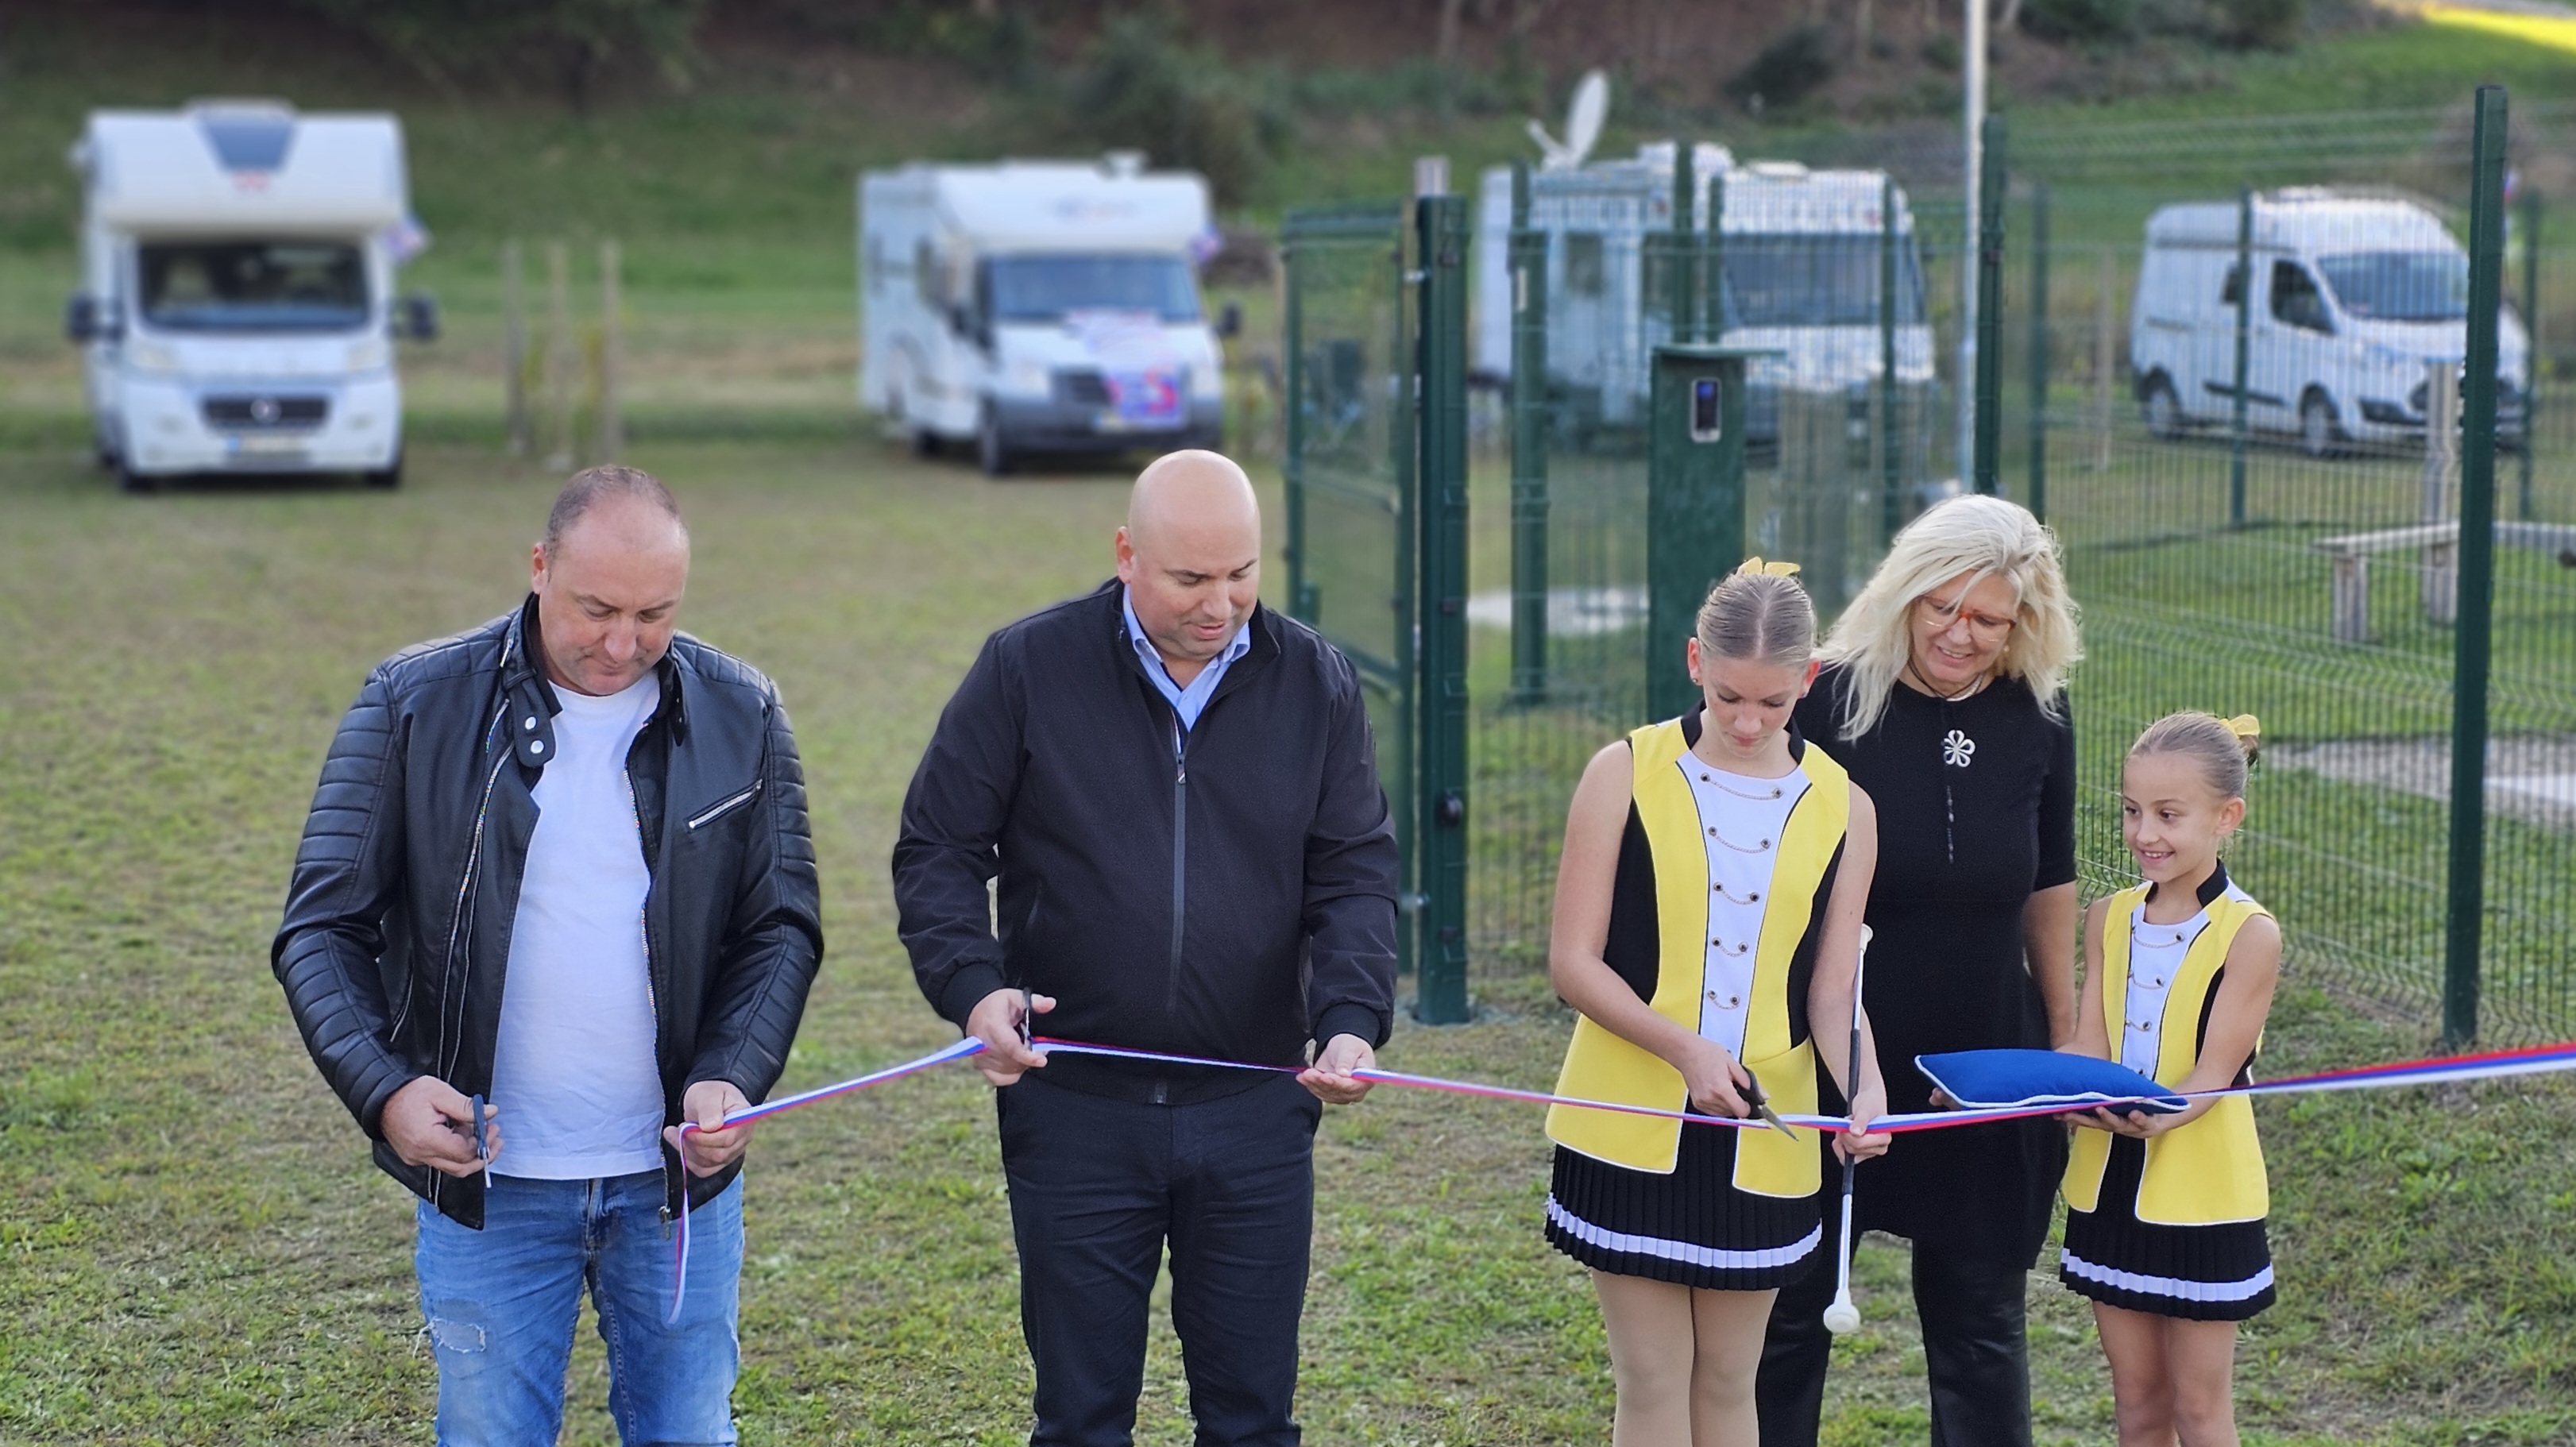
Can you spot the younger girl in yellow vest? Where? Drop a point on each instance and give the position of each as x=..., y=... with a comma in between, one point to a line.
x=1708, y=918
x=2164, y=1223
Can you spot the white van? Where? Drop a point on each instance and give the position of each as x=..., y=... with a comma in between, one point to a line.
x=1801, y=267
x=2353, y=297
x=237, y=306
x=1038, y=306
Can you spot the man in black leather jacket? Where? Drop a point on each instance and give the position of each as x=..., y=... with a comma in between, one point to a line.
x=562, y=861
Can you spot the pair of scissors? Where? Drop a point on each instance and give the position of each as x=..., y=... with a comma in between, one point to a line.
x=1761, y=1104
x=1028, y=1012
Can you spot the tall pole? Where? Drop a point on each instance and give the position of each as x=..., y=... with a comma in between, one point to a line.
x=2532, y=354
x=1528, y=250
x=2241, y=438
x=1972, y=129
x=1441, y=994
x=561, y=358
x=1891, y=429
x=514, y=350
x=1987, y=456
x=2467, y=904
x=2039, y=352
x=612, y=402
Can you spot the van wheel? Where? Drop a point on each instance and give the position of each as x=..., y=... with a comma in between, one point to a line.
x=991, y=453
x=129, y=480
x=2163, y=409
x=2320, y=436
x=390, y=475
x=925, y=443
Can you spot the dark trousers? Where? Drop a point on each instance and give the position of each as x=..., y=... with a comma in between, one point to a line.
x=1974, y=1349
x=1098, y=1188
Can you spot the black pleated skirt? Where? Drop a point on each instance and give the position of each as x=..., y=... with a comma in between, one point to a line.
x=1692, y=1227
x=2197, y=1273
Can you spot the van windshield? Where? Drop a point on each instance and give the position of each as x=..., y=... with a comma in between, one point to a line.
x=1816, y=279
x=254, y=286
x=1045, y=288
x=2400, y=286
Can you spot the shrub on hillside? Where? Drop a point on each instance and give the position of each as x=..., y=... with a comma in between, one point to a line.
x=1144, y=87
x=2259, y=24
x=1787, y=70
x=2080, y=22
x=573, y=43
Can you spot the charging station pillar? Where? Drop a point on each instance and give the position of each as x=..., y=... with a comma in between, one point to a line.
x=1694, y=503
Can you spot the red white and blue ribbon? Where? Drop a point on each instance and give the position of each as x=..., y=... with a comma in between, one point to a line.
x=2443, y=1070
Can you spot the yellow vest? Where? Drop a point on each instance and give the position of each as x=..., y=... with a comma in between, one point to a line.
x=1601, y=1066
x=2207, y=1172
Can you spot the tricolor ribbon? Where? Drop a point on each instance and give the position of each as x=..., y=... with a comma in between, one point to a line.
x=2442, y=1070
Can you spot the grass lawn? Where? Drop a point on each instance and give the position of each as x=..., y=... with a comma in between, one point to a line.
x=196, y=1250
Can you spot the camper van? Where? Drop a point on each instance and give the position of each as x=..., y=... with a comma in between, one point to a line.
x=1037, y=307
x=2352, y=298
x=237, y=308
x=1801, y=263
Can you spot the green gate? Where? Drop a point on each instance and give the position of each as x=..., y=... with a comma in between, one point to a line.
x=1376, y=500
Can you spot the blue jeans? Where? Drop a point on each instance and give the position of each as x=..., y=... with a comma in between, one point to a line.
x=502, y=1303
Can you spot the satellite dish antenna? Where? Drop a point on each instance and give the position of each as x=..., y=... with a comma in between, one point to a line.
x=1582, y=125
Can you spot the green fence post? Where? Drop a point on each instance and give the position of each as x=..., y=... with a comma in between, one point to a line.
x=1694, y=503
x=1685, y=245
x=2469, y=640
x=1891, y=428
x=1301, y=600
x=2039, y=352
x=1441, y=993
x=1990, y=304
x=2244, y=333
x=2532, y=365
x=1528, y=254
x=1712, y=297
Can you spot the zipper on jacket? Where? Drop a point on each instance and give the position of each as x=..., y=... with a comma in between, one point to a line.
x=1180, y=860
x=722, y=807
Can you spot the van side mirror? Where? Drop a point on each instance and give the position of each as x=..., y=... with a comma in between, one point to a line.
x=1229, y=322
x=84, y=320
x=416, y=317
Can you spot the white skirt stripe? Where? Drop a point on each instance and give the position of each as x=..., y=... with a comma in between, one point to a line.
x=2172, y=1286
x=1713, y=1258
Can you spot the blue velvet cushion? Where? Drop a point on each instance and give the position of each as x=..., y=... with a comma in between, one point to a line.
x=2007, y=1078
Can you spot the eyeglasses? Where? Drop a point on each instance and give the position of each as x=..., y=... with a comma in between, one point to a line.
x=1986, y=627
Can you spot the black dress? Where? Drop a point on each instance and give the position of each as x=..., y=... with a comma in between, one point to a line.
x=1976, y=812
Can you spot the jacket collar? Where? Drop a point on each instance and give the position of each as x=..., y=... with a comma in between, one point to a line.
x=529, y=718
x=1262, y=629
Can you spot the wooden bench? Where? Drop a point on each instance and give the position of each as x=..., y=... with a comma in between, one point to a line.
x=2440, y=543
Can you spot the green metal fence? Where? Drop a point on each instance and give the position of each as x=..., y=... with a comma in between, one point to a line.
x=2241, y=539
x=2256, y=522
x=1352, y=470
x=1376, y=483
x=1849, y=287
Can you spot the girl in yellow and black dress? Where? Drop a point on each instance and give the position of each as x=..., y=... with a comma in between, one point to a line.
x=1708, y=919
x=2164, y=1222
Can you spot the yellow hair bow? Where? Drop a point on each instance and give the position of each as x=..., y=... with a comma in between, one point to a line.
x=2246, y=726
x=1755, y=567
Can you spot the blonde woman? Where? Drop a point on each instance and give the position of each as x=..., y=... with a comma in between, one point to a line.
x=1942, y=694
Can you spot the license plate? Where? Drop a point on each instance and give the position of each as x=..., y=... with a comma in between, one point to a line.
x=265, y=445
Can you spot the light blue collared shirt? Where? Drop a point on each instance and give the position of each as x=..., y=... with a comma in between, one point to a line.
x=1188, y=702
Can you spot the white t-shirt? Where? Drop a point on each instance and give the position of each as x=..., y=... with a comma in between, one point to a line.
x=573, y=1073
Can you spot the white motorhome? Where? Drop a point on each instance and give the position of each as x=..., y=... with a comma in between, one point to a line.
x=1038, y=306
x=1801, y=266
x=2352, y=298
x=237, y=306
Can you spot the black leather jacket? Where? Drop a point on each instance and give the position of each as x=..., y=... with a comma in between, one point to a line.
x=398, y=920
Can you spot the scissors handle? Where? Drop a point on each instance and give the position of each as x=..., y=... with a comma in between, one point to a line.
x=482, y=1141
